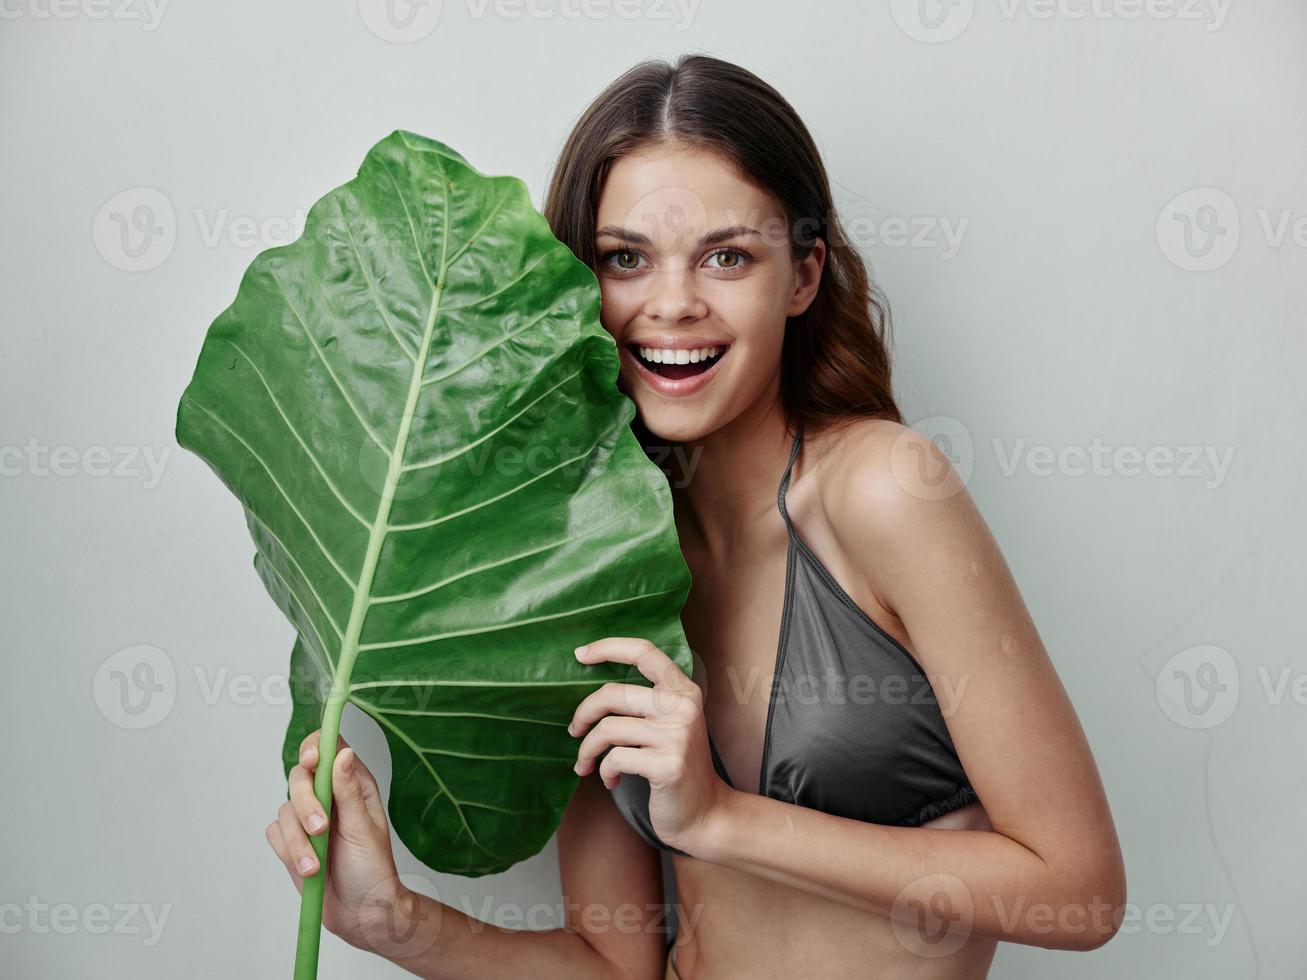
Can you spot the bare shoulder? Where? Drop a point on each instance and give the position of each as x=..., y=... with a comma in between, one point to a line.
x=881, y=477
x=897, y=513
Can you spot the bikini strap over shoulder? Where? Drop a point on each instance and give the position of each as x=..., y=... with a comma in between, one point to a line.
x=785, y=480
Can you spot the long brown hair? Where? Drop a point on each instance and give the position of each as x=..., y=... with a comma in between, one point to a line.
x=835, y=366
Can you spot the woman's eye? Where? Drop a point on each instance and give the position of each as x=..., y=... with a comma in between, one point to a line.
x=731, y=259
x=625, y=260
x=726, y=260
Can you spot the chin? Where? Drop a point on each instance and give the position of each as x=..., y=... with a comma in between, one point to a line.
x=668, y=424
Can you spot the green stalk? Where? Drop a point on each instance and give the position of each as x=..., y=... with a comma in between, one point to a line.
x=310, y=926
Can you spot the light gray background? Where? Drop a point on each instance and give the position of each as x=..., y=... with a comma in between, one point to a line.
x=1071, y=151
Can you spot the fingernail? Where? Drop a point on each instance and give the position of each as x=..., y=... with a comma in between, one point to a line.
x=580, y=652
x=307, y=754
x=315, y=823
x=347, y=763
x=306, y=865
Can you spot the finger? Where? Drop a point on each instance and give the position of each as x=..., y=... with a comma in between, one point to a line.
x=305, y=801
x=646, y=657
x=656, y=703
x=358, y=801
x=370, y=792
x=278, y=842
x=657, y=769
x=309, y=748
x=619, y=699
x=615, y=730
x=302, y=859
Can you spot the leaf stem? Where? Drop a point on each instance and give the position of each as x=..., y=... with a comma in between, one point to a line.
x=310, y=926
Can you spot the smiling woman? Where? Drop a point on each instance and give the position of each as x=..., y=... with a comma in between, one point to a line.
x=861, y=647
x=751, y=335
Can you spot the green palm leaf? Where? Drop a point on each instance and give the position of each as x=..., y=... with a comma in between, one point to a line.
x=416, y=405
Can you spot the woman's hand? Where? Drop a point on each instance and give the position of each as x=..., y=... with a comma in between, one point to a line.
x=658, y=733
x=363, y=891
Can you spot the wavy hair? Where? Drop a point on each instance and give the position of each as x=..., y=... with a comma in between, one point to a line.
x=835, y=365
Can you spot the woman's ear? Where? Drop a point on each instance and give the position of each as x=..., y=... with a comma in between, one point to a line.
x=807, y=278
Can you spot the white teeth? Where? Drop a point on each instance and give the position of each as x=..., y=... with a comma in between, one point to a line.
x=679, y=355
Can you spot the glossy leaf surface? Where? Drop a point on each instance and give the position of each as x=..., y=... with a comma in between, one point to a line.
x=416, y=405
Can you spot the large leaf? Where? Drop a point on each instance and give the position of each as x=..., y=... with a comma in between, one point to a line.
x=416, y=405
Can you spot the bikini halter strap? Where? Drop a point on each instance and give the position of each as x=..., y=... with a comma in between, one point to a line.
x=785, y=480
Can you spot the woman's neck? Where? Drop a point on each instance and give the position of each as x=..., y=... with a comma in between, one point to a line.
x=726, y=481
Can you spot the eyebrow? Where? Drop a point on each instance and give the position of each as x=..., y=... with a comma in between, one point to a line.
x=711, y=238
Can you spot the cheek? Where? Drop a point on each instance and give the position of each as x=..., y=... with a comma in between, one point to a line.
x=754, y=312
x=619, y=305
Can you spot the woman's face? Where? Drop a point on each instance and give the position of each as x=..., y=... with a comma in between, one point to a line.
x=692, y=259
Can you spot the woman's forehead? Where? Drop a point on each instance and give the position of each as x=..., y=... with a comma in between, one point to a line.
x=665, y=194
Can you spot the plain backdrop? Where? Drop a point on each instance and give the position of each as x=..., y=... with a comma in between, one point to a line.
x=1090, y=219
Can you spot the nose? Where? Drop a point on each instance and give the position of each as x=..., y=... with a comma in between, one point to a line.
x=673, y=296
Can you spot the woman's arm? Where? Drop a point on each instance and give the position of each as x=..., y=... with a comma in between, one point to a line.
x=1051, y=872
x=611, y=879
x=612, y=895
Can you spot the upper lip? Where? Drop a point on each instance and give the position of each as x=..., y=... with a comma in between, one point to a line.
x=676, y=343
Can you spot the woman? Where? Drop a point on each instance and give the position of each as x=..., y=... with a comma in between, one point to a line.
x=923, y=785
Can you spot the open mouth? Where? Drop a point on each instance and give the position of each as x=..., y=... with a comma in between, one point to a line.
x=680, y=363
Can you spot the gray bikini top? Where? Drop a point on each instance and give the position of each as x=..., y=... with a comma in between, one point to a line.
x=853, y=725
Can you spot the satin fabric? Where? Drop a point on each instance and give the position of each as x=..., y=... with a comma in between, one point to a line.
x=854, y=727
